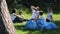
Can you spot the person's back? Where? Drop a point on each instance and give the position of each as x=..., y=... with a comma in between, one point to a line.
x=13, y=17
x=13, y=14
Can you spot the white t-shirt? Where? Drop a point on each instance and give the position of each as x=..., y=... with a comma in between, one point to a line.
x=41, y=11
x=49, y=16
x=34, y=13
x=13, y=17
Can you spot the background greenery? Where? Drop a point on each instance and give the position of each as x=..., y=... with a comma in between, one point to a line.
x=22, y=4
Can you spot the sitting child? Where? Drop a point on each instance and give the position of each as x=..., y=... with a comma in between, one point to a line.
x=21, y=16
x=49, y=15
x=31, y=24
x=35, y=12
x=13, y=15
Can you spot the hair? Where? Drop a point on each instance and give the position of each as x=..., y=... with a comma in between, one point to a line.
x=41, y=13
x=14, y=11
x=49, y=8
x=37, y=8
x=21, y=12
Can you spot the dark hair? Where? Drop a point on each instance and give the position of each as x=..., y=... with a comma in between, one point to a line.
x=49, y=8
x=20, y=12
x=14, y=11
x=41, y=13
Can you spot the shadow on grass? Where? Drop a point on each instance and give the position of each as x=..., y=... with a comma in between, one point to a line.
x=21, y=27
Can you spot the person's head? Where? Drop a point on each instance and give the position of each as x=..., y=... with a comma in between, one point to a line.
x=49, y=9
x=41, y=13
x=37, y=8
x=14, y=10
x=21, y=12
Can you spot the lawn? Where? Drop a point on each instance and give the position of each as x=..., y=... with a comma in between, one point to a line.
x=20, y=30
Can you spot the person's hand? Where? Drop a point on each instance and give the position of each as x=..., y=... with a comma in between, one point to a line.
x=14, y=14
x=32, y=7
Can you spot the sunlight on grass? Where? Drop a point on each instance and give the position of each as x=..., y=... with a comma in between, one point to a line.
x=21, y=32
x=56, y=16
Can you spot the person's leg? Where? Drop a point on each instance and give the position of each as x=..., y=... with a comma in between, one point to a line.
x=47, y=20
x=25, y=20
x=20, y=20
x=17, y=19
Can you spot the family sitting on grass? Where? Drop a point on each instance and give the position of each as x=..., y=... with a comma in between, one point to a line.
x=38, y=21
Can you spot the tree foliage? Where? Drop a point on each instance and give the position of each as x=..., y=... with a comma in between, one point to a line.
x=27, y=3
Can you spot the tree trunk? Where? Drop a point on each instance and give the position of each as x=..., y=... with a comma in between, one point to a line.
x=6, y=25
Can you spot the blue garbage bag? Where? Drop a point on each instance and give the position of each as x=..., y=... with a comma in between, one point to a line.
x=50, y=26
x=31, y=25
x=40, y=24
x=46, y=25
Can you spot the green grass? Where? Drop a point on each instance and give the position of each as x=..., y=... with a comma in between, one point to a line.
x=20, y=30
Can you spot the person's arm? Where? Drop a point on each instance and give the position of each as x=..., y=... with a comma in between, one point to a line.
x=16, y=15
x=32, y=7
x=23, y=17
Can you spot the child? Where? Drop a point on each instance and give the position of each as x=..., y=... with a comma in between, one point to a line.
x=31, y=24
x=35, y=12
x=21, y=16
x=41, y=16
x=49, y=15
x=13, y=14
